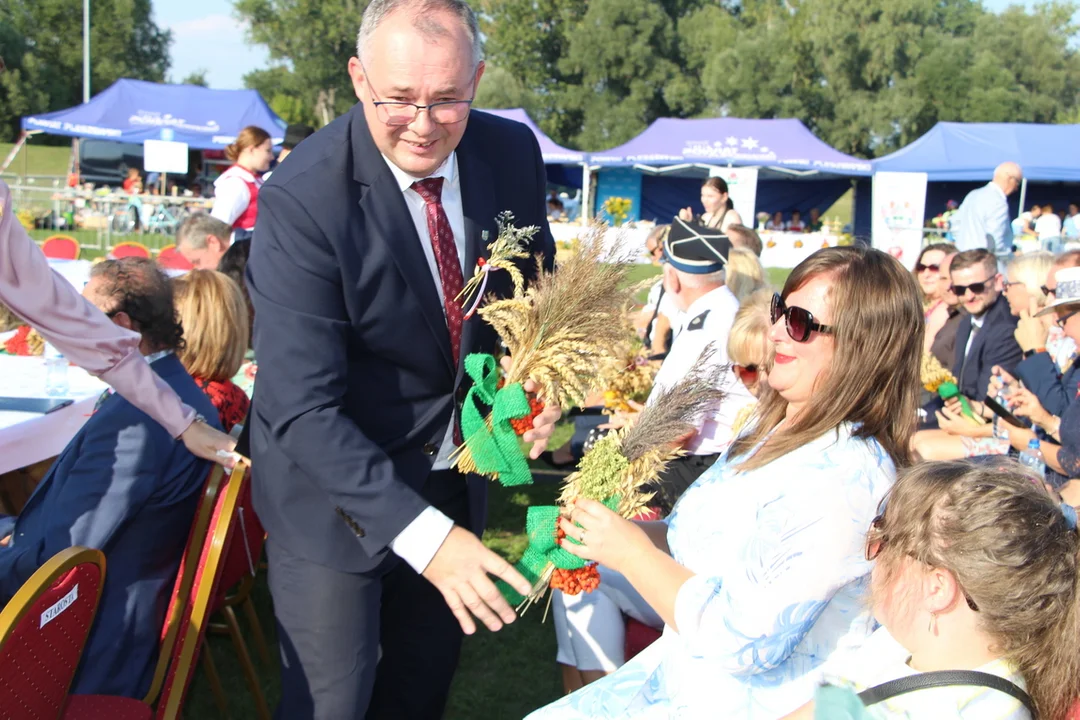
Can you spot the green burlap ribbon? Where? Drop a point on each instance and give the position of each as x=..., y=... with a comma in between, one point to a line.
x=495, y=450
x=542, y=526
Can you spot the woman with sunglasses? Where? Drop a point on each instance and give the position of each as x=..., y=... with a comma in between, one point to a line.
x=759, y=571
x=926, y=273
x=1056, y=414
x=975, y=568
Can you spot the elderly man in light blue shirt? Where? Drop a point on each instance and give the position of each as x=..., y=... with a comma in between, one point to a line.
x=983, y=218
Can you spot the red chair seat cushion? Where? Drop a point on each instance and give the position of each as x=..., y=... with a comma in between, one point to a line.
x=105, y=707
x=638, y=637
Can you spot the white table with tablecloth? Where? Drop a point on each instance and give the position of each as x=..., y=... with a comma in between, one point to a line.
x=786, y=250
x=28, y=438
x=634, y=236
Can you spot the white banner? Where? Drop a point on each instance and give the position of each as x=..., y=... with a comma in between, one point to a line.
x=899, y=206
x=163, y=156
x=742, y=189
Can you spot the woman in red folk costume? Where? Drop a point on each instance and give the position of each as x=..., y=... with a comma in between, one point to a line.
x=236, y=192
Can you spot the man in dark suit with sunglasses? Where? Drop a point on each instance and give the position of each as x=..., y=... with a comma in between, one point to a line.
x=364, y=240
x=984, y=337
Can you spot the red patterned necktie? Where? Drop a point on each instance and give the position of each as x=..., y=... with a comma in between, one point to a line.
x=446, y=257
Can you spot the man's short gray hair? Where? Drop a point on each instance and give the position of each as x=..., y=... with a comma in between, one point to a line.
x=706, y=280
x=193, y=231
x=379, y=10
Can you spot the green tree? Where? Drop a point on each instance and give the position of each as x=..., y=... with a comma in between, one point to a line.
x=315, y=38
x=41, y=43
x=287, y=97
x=197, y=77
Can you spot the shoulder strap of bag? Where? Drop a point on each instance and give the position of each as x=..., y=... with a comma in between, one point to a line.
x=944, y=678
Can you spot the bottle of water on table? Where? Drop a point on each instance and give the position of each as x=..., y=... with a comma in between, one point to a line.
x=56, y=372
x=1032, y=457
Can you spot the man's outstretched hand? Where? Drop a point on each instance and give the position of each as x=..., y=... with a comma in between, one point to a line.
x=460, y=571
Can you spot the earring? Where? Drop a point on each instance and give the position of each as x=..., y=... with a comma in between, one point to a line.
x=931, y=627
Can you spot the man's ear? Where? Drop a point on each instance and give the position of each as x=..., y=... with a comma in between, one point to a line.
x=215, y=243
x=124, y=320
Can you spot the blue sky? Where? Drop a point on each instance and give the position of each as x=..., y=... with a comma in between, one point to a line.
x=207, y=36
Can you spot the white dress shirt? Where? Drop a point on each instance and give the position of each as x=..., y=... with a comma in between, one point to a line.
x=421, y=538
x=1048, y=226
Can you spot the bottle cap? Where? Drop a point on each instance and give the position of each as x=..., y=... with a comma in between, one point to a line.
x=1033, y=444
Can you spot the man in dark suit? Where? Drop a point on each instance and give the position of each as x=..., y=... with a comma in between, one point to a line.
x=984, y=338
x=123, y=485
x=363, y=240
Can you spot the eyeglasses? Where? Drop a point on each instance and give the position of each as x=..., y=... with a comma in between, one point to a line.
x=919, y=267
x=396, y=113
x=800, y=323
x=876, y=539
x=976, y=288
x=1062, y=320
x=1049, y=292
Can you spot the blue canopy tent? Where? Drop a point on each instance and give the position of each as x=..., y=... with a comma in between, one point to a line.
x=132, y=111
x=671, y=157
x=564, y=166
x=958, y=157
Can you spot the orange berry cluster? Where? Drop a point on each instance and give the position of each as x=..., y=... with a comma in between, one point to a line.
x=574, y=582
x=523, y=425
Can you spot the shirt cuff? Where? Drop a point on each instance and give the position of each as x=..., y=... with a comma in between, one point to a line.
x=422, y=538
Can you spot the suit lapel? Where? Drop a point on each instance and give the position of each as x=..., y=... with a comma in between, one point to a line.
x=478, y=201
x=388, y=219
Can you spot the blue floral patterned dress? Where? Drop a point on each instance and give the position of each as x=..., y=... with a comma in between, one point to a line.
x=780, y=584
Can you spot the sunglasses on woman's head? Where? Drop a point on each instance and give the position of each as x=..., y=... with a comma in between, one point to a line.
x=799, y=322
x=875, y=541
x=919, y=267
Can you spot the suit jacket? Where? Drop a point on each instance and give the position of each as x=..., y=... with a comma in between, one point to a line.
x=123, y=485
x=1055, y=390
x=944, y=345
x=356, y=383
x=994, y=344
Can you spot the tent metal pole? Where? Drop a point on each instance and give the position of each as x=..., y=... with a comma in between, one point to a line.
x=86, y=51
x=15, y=151
x=1023, y=196
x=586, y=205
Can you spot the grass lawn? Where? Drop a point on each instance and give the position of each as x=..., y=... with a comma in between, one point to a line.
x=36, y=159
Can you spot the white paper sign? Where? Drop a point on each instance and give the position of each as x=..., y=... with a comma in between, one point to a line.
x=51, y=613
x=899, y=204
x=161, y=156
x=742, y=189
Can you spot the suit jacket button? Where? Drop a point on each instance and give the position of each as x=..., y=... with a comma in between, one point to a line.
x=430, y=449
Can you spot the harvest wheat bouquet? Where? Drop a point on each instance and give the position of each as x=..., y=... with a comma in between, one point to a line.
x=937, y=379
x=560, y=332
x=617, y=471
x=628, y=376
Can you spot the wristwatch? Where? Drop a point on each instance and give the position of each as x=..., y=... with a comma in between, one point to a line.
x=1033, y=351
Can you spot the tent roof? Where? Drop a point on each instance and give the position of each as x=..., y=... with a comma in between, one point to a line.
x=971, y=151
x=553, y=153
x=784, y=144
x=132, y=111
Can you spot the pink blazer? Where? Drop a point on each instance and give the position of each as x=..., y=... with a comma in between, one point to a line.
x=79, y=330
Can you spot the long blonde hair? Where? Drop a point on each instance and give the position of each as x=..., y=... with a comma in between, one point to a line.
x=1031, y=269
x=745, y=275
x=215, y=318
x=873, y=379
x=1011, y=549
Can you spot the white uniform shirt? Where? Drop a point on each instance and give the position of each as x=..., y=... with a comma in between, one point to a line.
x=1048, y=226
x=421, y=538
x=707, y=320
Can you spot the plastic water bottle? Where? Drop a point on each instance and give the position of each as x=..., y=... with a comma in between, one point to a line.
x=56, y=372
x=1032, y=458
x=1000, y=432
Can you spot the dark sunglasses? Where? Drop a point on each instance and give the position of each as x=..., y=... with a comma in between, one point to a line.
x=919, y=267
x=1049, y=292
x=800, y=323
x=1062, y=320
x=976, y=288
x=747, y=373
x=875, y=541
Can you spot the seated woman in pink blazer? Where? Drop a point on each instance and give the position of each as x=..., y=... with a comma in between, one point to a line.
x=91, y=340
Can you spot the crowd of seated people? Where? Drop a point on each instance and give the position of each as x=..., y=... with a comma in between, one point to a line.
x=796, y=223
